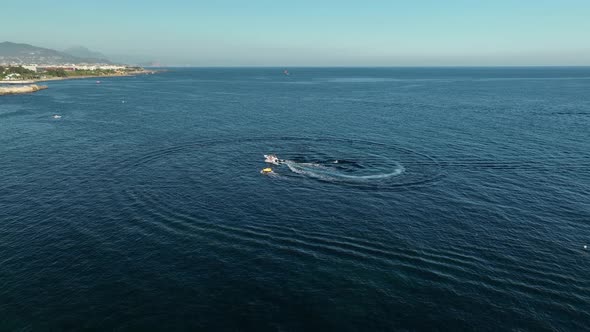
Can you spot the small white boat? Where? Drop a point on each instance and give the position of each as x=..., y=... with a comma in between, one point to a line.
x=56, y=116
x=271, y=159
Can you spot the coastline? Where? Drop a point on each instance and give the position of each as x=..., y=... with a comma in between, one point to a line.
x=129, y=74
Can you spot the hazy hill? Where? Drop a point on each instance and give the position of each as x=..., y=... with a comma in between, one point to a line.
x=85, y=53
x=25, y=53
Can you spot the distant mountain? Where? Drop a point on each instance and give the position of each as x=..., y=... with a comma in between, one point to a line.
x=85, y=53
x=27, y=54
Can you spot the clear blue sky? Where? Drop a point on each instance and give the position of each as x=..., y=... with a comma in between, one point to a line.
x=311, y=32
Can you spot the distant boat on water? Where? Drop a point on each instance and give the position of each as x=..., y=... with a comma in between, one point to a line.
x=286, y=72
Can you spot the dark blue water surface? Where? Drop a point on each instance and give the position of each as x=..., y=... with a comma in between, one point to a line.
x=410, y=199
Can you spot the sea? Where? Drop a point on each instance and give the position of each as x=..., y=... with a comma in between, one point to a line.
x=406, y=199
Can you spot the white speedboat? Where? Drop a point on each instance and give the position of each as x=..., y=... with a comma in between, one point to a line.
x=56, y=116
x=271, y=159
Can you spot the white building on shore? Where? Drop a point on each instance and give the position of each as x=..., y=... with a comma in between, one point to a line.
x=32, y=67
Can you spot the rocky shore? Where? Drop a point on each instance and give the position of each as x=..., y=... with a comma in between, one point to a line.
x=13, y=90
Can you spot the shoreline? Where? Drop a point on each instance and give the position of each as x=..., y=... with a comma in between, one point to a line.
x=130, y=74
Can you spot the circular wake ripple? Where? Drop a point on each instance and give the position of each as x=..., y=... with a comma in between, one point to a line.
x=333, y=161
x=181, y=190
x=198, y=189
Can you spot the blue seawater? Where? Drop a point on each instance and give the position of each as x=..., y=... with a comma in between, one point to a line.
x=409, y=199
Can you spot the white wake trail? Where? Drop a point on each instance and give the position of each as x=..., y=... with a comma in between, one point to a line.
x=322, y=172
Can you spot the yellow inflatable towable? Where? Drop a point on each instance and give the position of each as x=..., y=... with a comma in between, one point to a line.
x=266, y=170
